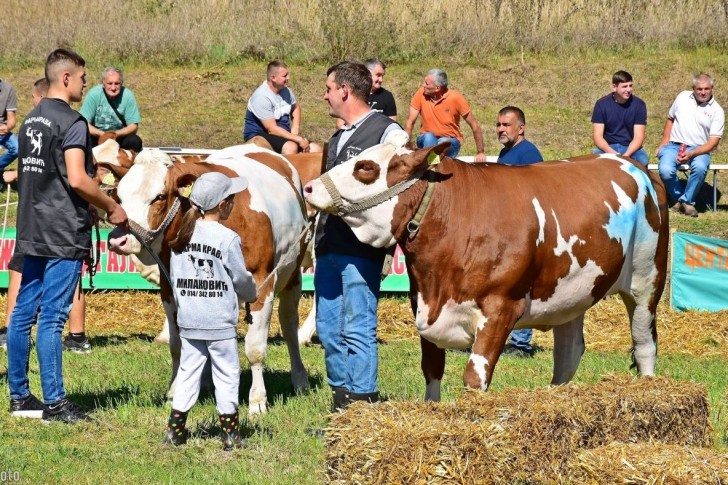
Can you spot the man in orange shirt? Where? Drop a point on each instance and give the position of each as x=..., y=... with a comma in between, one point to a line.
x=441, y=109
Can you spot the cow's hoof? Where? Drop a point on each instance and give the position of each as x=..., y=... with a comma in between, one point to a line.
x=256, y=409
x=302, y=390
x=161, y=339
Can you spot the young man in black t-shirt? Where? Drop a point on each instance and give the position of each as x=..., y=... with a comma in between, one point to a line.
x=54, y=234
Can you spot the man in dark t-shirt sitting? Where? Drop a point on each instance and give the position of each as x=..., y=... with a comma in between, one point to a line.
x=619, y=121
x=379, y=99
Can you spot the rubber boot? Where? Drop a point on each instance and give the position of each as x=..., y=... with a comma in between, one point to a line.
x=176, y=433
x=340, y=397
x=230, y=424
x=367, y=397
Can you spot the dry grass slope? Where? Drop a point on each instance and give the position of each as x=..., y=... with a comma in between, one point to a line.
x=180, y=31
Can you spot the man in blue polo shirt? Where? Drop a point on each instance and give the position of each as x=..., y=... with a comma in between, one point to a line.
x=619, y=121
x=511, y=130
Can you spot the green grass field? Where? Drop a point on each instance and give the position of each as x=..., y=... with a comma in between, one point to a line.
x=201, y=103
x=123, y=381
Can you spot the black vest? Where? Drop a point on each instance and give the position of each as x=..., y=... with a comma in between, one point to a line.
x=53, y=220
x=333, y=235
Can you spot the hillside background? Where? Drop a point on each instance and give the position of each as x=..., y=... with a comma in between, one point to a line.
x=193, y=64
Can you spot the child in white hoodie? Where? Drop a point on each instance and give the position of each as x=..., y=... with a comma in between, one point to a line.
x=209, y=278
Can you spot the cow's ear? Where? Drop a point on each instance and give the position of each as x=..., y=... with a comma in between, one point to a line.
x=183, y=185
x=116, y=170
x=429, y=155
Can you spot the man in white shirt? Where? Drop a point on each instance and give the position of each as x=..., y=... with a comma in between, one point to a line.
x=693, y=130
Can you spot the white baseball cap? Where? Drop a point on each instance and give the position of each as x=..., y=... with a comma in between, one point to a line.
x=211, y=188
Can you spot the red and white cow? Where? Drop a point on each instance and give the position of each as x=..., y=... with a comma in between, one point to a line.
x=270, y=218
x=502, y=247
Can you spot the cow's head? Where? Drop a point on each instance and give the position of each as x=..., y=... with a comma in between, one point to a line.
x=372, y=173
x=148, y=193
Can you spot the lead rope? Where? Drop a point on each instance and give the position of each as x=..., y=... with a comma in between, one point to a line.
x=90, y=260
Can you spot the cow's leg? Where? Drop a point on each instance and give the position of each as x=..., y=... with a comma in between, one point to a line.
x=256, y=347
x=644, y=335
x=433, y=368
x=305, y=333
x=495, y=322
x=288, y=300
x=568, y=349
x=175, y=345
x=163, y=336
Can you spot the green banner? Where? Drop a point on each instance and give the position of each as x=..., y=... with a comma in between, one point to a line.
x=113, y=271
x=699, y=276
x=116, y=272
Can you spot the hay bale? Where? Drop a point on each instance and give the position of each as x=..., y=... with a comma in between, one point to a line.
x=526, y=435
x=649, y=463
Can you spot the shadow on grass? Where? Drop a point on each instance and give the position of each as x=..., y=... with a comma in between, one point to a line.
x=209, y=428
x=278, y=385
x=100, y=341
x=113, y=398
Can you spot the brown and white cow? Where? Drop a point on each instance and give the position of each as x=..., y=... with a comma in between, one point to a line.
x=112, y=163
x=502, y=247
x=270, y=218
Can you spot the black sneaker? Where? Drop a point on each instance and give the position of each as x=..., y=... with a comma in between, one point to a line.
x=30, y=407
x=516, y=352
x=4, y=338
x=83, y=347
x=64, y=411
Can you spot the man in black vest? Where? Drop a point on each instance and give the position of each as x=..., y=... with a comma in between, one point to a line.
x=54, y=233
x=348, y=271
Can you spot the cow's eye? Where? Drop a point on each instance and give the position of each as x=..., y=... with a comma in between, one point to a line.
x=158, y=198
x=366, y=171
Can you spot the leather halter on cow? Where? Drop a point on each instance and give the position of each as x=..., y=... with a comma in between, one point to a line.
x=500, y=247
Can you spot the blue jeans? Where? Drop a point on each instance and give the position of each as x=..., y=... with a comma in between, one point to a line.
x=429, y=140
x=47, y=287
x=640, y=155
x=668, y=173
x=347, y=294
x=10, y=142
x=521, y=339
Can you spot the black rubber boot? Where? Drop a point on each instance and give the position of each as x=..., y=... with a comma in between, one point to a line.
x=367, y=397
x=341, y=398
x=230, y=424
x=176, y=433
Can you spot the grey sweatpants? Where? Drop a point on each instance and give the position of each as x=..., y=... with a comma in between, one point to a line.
x=223, y=355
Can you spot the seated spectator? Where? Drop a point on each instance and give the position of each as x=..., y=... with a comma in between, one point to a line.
x=511, y=129
x=441, y=109
x=112, y=107
x=619, y=121
x=693, y=129
x=274, y=114
x=379, y=98
x=8, y=107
